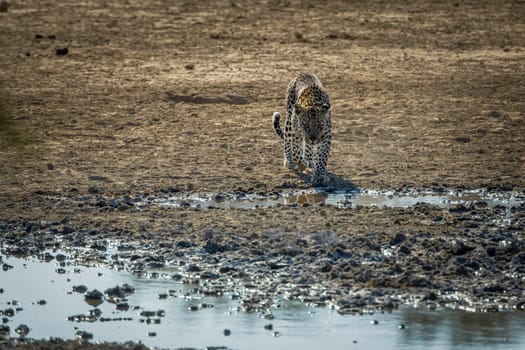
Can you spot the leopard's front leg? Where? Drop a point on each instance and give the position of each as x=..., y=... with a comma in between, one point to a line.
x=308, y=155
x=323, y=152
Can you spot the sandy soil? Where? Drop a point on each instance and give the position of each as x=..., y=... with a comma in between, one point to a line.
x=159, y=96
x=414, y=89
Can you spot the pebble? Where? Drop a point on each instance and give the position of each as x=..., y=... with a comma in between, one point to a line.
x=22, y=330
x=62, y=51
x=9, y=312
x=83, y=335
x=494, y=114
x=4, y=332
x=94, y=297
x=119, y=293
x=122, y=306
x=80, y=289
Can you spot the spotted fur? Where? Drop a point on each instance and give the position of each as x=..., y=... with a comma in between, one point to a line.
x=308, y=131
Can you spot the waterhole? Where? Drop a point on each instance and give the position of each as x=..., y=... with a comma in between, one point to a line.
x=345, y=199
x=42, y=298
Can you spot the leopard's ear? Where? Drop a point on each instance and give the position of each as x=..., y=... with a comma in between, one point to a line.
x=298, y=108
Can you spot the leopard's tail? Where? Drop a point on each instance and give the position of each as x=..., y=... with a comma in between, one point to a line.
x=277, y=124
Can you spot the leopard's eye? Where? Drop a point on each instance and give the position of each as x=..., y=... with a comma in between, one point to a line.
x=325, y=106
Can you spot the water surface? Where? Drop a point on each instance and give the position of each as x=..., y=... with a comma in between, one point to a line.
x=173, y=324
x=346, y=199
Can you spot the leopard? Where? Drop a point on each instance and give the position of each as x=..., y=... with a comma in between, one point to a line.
x=307, y=131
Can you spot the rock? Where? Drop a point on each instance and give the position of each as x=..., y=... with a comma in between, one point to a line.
x=122, y=306
x=213, y=247
x=94, y=297
x=184, y=244
x=398, y=238
x=99, y=178
x=193, y=268
x=93, y=190
x=460, y=208
x=462, y=139
x=278, y=264
x=83, y=336
x=22, y=330
x=80, y=289
x=460, y=248
x=227, y=332
x=99, y=246
x=325, y=267
x=418, y=282
x=149, y=314
x=60, y=257
x=494, y=114
x=4, y=7
x=10, y=312
x=430, y=296
x=62, y=51
x=66, y=230
x=177, y=277
x=4, y=332
x=119, y=293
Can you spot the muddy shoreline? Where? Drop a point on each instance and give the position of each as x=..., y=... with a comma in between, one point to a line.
x=471, y=253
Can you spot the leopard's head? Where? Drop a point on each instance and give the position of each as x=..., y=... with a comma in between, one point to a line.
x=313, y=112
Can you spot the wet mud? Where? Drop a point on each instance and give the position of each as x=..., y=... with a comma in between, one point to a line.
x=464, y=256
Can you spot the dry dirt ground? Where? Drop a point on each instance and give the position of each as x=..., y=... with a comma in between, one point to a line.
x=177, y=96
x=414, y=88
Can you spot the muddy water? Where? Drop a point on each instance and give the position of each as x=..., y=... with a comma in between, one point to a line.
x=168, y=314
x=346, y=199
